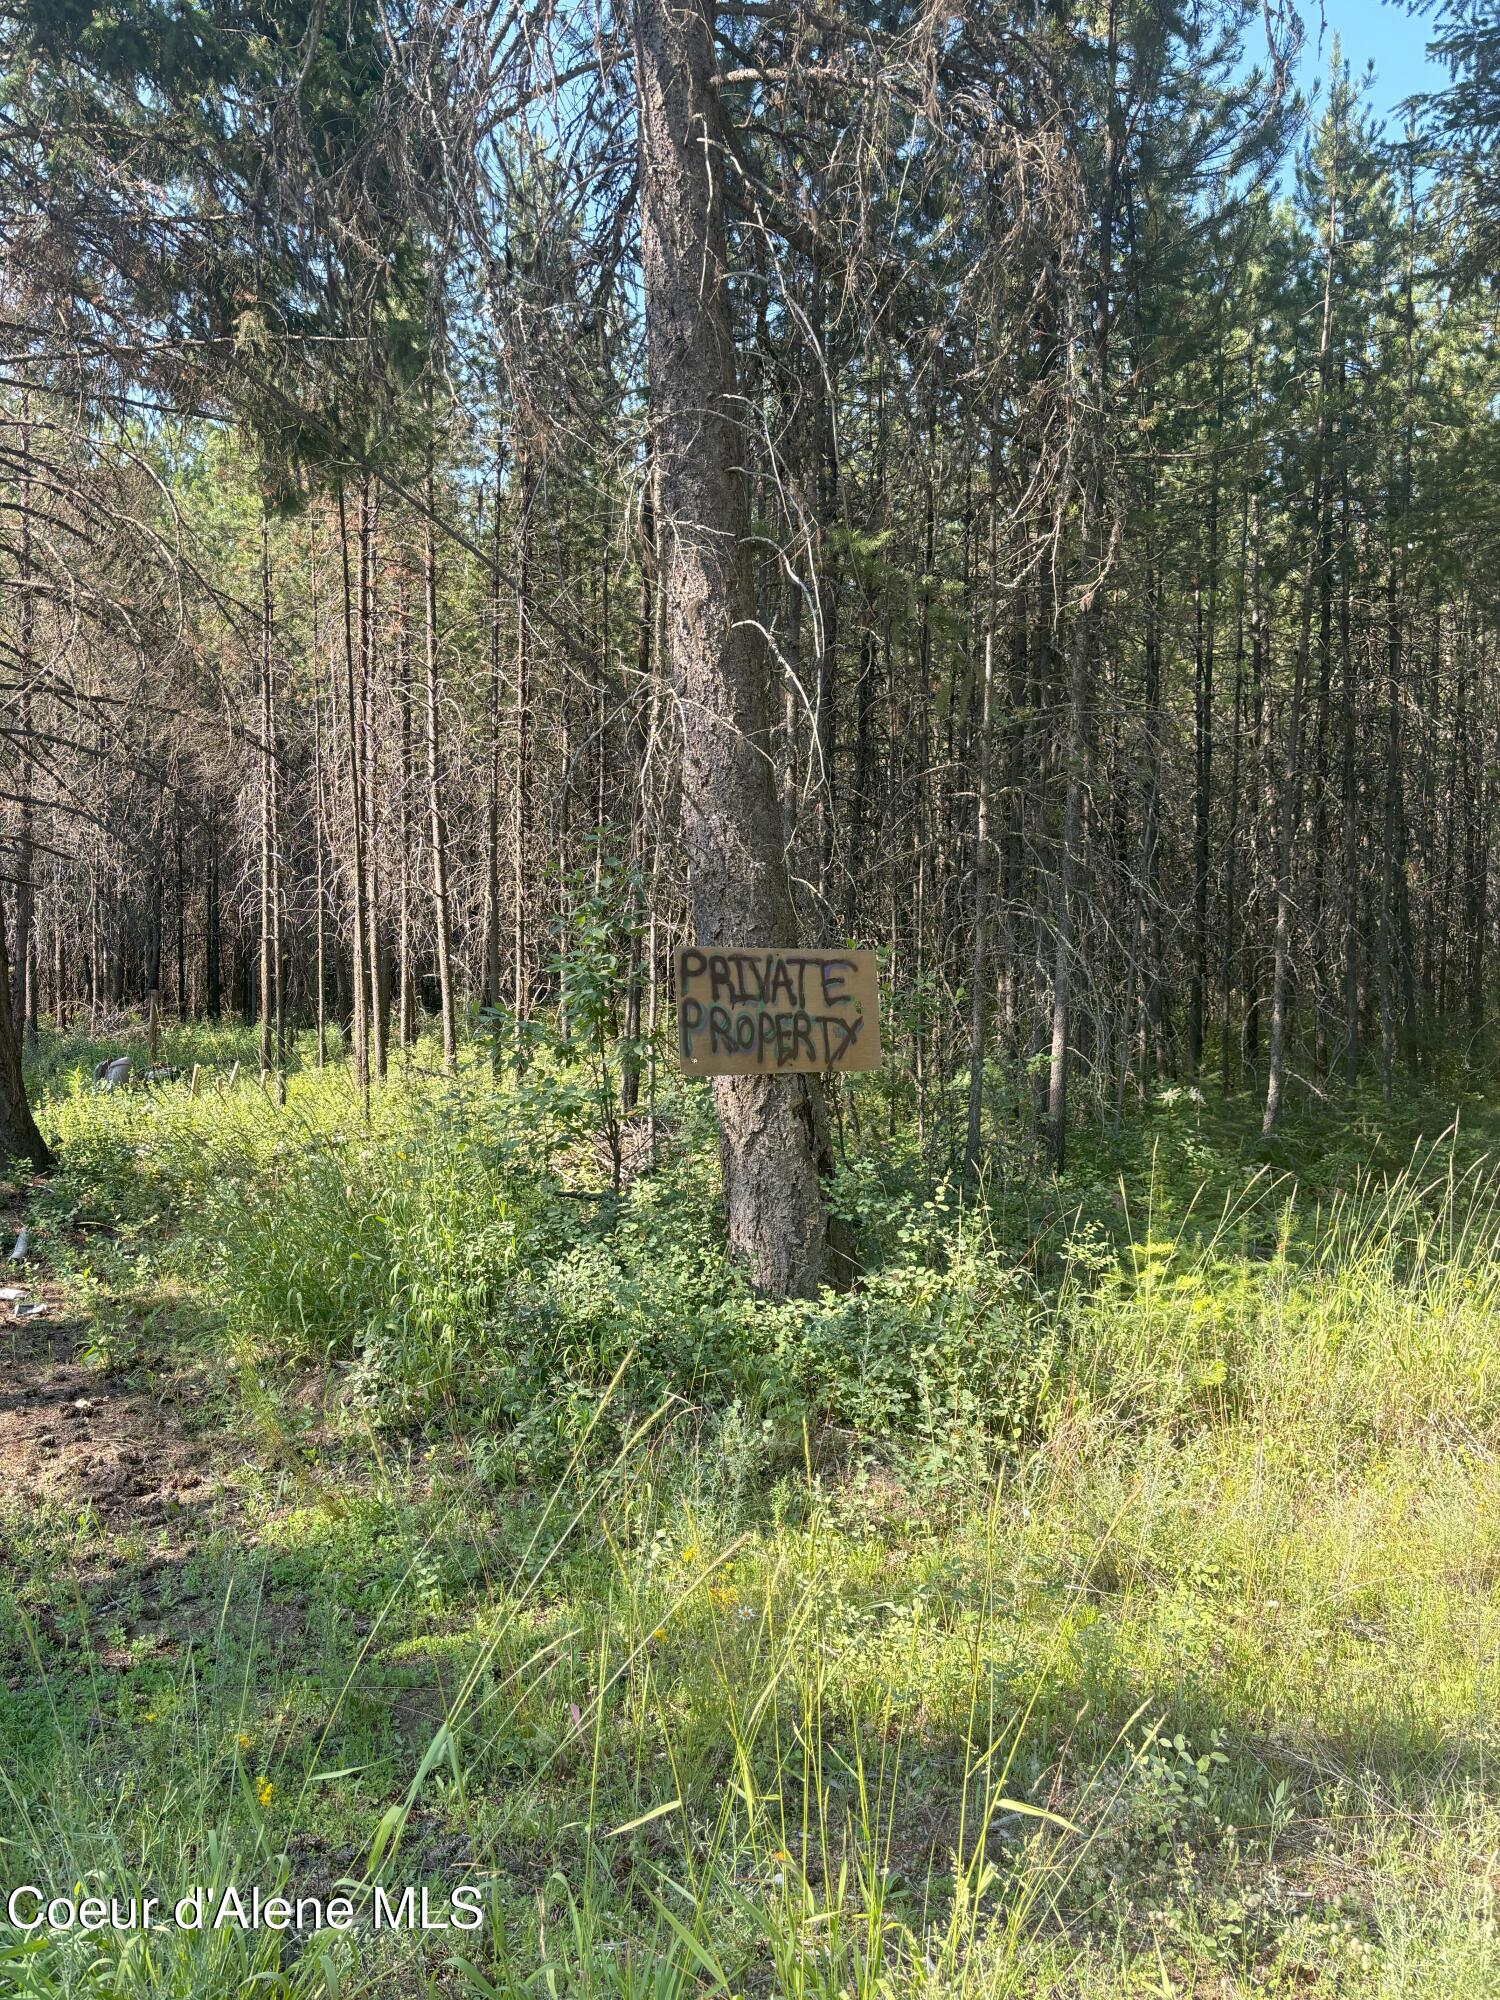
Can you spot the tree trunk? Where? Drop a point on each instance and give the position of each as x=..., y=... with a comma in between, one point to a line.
x=490, y=985
x=984, y=883
x=1349, y=802
x=441, y=920
x=22, y=1008
x=320, y=887
x=1232, y=832
x=520, y=817
x=827, y=584
x=1067, y=870
x=1392, y=860
x=1291, y=804
x=179, y=912
x=1081, y=666
x=1286, y=857
x=1203, y=752
x=19, y=1137
x=406, y=993
x=773, y=1130
x=377, y=974
x=356, y=823
x=267, y=833
x=643, y=709
x=213, y=933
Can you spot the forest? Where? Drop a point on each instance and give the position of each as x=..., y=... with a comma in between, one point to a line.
x=508, y=509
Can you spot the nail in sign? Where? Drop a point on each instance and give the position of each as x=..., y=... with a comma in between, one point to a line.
x=773, y=1013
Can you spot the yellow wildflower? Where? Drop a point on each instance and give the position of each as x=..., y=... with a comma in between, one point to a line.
x=242, y=1741
x=265, y=1791
x=690, y=1553
x=660, y=1632
x=722, y=1595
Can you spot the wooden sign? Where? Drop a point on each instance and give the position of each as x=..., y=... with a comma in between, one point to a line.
x=773, y=1013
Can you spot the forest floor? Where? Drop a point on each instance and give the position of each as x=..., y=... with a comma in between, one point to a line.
x=1103, y=1600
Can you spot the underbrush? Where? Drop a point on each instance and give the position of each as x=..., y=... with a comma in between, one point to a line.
x=457, y=1259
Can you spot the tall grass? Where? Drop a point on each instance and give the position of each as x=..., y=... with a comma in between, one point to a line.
x=1014, y=1624
x=764, y=1841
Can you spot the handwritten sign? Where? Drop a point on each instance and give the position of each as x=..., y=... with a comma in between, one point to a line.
x=773, y=1013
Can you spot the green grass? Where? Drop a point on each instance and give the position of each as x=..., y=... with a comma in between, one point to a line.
x=1104, y=1599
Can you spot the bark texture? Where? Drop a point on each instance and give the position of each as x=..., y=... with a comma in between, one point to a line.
x=773, y=1130
x=19, y=1137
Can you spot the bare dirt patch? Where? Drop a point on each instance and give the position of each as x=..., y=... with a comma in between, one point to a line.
x=70, y=1434
x=67, y=1434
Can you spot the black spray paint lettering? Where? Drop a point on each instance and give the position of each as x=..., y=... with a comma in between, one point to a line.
x=741, y=1018
x=777, y=1040
x=746, y=979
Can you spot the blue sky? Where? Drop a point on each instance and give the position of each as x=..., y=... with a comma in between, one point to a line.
x=1371, y=31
